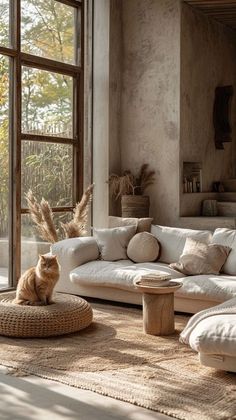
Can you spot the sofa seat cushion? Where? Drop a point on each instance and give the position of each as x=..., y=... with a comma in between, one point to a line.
x=116, y=274
x=209, y=287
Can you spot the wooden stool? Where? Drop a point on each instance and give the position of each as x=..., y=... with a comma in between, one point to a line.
x=158, y=308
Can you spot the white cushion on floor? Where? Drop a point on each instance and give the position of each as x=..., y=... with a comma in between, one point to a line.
x=117, y=274
x=215, y=335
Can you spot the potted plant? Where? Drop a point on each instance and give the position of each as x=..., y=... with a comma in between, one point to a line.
x=130, y=189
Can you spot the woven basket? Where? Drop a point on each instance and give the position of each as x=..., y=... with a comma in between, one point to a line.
x=67, y=315
x=135, y=206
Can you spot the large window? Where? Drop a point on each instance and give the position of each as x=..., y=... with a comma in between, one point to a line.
x=41, y=94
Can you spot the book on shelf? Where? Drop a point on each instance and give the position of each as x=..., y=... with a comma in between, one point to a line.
x=192, y=177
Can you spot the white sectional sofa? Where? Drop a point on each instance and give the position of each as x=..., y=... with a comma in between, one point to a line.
x=85, y=275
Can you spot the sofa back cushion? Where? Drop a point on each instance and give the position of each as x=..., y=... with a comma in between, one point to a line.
x=173, y=239
x=143, y=224
x=223, y=236
x=112, y=243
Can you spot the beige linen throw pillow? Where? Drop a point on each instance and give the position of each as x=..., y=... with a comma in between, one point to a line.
x=112, y=243
x=201, y=258
x=143, y=247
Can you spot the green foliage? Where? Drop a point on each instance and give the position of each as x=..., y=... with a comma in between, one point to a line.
x=4, y=146
x=48, y=167
x=47, y=30
x=4, y=19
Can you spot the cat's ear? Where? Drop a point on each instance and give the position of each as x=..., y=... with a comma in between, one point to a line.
x=53, y=257
x=41, y=257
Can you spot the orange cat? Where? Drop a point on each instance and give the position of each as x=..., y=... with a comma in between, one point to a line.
x=35, y=286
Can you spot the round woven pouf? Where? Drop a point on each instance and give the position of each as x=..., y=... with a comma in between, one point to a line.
x=67, y=315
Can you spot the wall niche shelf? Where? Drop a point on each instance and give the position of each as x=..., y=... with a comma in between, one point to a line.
x=191, y=203
x=193, y=196
x=192, y=177
x=210, y=223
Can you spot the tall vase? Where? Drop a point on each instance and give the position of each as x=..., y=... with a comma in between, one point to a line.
x=135, y=206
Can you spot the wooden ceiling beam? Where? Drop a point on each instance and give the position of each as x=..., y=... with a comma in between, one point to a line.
x=221, y=10
x=212, y=3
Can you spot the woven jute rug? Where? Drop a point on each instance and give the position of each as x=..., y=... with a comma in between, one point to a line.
x=114, y=357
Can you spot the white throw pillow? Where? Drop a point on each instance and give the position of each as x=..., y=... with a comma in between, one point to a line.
x=112, y=243
x=143, y=247
x=172, y=240
x=227, y=237
x=143, y=224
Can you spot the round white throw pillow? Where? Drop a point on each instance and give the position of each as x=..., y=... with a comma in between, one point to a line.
x=143, y=247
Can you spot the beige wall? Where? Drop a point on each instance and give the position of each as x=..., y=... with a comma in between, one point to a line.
x=150, y=120
x=208, y=59
x=115, y=93
x=164, y=64
x=101, y=138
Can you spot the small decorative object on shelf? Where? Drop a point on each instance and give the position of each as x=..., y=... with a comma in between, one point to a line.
x=209, y=208
x=218, y=187
x=192, y=177
x=130, y=188
x=222, y=114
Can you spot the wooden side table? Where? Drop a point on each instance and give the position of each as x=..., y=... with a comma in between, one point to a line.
x=158, y=308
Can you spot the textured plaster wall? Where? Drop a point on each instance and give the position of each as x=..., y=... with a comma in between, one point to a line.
x=150, y=110
x=208, y=59
x=115, y=63
x=101, y=111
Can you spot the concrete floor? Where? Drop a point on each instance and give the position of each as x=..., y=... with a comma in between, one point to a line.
x=33, y=398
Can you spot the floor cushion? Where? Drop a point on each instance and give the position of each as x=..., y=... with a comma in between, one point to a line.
x=67, y=315
x=212, y=333
x=215, y=335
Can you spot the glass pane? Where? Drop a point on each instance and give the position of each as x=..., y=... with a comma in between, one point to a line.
x=46, y=103
x=48, y=29
x=4, y=23
x=32, y=244
x=47, y=171
x=4, y=170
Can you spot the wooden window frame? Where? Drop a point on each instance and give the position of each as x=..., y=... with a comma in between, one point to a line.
x=16, y=136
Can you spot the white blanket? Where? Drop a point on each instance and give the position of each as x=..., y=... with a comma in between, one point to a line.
x=228, y=307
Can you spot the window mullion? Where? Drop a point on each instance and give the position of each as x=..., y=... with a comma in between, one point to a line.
x=16, y=146
x=48, y=64
x=47, y=139
x=74, y=3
